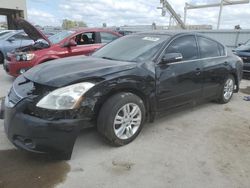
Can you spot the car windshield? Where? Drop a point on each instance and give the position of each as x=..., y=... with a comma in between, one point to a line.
x=134, y=48
x=244, y=47
x=60, y=36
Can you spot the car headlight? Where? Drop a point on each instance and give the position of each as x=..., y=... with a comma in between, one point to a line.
x=65, y=98
x=25, y=57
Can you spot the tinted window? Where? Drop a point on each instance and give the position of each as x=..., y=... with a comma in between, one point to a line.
x=185, y=45
x=208, y=48
x=107, y=37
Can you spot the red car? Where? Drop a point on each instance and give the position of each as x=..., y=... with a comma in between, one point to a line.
x=64, y=44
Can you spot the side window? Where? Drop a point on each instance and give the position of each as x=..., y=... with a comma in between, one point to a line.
x=85, y=38
x=185, y=45
x=21, y=36
x=107, y=37
x=208, y=48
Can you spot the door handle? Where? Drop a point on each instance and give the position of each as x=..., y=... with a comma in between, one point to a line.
x=197, y=71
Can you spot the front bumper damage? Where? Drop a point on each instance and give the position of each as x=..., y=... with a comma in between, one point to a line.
x=56, y=137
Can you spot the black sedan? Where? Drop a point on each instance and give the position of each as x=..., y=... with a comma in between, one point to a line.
x=243, y=51
x=117, y=89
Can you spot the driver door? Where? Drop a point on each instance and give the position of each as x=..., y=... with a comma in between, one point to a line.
x=87, y=43
x=179, y=83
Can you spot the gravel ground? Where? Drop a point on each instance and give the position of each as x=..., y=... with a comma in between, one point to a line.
x=204, y=146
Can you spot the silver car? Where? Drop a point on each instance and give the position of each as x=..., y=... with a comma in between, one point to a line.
x=11, y=40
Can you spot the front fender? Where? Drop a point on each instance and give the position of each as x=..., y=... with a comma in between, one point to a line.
x=144, y=87
x=46, y=58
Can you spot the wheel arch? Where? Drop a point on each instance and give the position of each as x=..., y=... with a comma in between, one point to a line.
x=234, y=74
x=45, y=60
x=134, y=91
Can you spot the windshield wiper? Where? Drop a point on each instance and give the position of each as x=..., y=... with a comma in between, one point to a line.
x=109, y=58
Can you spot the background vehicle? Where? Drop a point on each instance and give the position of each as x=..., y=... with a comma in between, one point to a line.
x=243, y=51
x=118, y=88
x=11, y=40
x=63, y=44
x=3, y=32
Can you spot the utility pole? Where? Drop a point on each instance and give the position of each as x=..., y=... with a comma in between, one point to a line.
x=167, y=7
x=219, y=18
x=185, y=13
x=221, y=4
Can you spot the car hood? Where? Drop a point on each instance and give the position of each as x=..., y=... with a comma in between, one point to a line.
x=66, y=71
x=31, y=30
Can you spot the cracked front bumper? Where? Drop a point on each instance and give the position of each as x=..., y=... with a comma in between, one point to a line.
x=39, y=135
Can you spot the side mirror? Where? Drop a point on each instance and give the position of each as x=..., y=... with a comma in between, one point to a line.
x=70, y=43
x=239, y=44
x=171, y=58
x=11, y=39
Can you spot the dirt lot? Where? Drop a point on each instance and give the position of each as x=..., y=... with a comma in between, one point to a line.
x=204, y=146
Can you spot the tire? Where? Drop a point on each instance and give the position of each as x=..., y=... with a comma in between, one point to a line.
x=228, y=87
x=1, y=58
x=126, y=129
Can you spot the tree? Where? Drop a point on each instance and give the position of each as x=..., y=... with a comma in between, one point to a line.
x=68, y=24
x=81, y=24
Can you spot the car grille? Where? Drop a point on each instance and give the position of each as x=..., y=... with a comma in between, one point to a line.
x=14, y=97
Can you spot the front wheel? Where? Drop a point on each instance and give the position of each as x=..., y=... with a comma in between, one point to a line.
x=227, y=90
x=121, y=118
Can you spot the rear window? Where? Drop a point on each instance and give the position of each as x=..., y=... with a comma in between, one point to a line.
x=208, y=48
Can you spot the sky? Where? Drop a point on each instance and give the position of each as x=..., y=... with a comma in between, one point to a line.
x=131, y=12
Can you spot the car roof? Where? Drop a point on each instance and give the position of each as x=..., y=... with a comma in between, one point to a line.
x=78, y=30
x=167, y=32
x=175, y=33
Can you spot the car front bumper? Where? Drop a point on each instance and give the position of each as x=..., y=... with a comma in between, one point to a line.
x=14, y=68
x=38, y=135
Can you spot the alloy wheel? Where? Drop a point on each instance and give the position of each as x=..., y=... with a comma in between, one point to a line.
x=228, y=89
x=127, y=121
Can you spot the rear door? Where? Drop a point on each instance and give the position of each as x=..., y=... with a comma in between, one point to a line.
x=179, y=83
x=215, y=65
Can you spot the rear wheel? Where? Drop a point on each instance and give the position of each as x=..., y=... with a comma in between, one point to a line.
x=121, y=118
x=1, y=58
x=227, y=90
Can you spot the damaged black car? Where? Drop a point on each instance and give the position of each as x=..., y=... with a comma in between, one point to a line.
x=120, y=87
